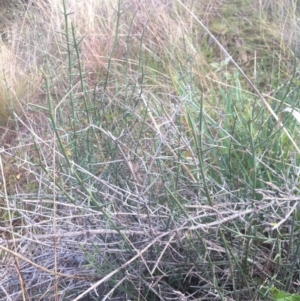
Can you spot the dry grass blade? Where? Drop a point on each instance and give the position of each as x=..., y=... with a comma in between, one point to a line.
x=107, y=277
x=19, y=256
x=162, y=253
x=287, y=216
x=113, y=289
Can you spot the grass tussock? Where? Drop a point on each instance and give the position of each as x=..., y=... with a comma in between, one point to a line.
x=149, y=150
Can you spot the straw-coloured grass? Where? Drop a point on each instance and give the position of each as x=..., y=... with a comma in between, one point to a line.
x=148, y=151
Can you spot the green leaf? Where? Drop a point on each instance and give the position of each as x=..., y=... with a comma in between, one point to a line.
x=278, y=295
